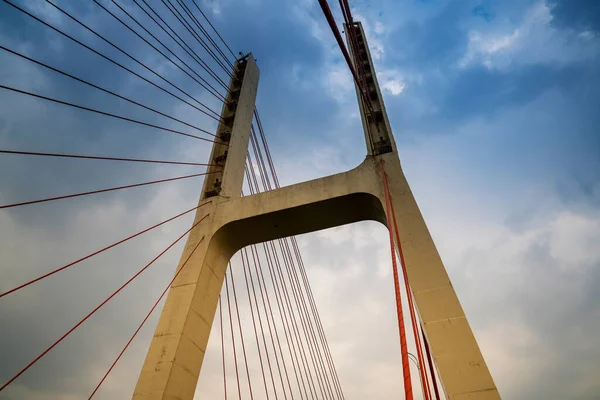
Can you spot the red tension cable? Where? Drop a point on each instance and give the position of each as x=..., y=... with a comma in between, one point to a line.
x=98, y=307
x=338, y=38
x=235, y=362
x=237, y=312
x=431, y=369
x=145, y=319
x=422, y=370
x=68, y=196
x=222, y=348
x=16, y=53
x=403, y=347
x=135, y=121
x=268, y=187
x=62, y=155
x=98, y=251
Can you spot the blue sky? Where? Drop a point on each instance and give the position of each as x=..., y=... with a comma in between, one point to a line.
x=494, y=109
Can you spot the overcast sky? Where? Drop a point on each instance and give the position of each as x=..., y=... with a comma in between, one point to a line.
x=494, y=106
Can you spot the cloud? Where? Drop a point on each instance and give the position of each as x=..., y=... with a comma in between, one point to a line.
x=521, y=258
x=574, y=245
x=488, y=47
x=391, y=82
x=535, y=41
x=375, y=33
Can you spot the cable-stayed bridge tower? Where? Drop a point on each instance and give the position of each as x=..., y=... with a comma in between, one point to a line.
x=175, y=357
x=228, y=221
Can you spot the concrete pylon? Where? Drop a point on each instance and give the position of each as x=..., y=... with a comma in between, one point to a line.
x=173, y=363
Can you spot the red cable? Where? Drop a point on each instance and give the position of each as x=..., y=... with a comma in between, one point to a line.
x=393, y=221
x=347, y=11
x=222, y=348
x=294, y=323
x=419, y=345
x=285, y=323
x=110, y=59
x=237, y=374
x=305, y=319
x=403, y=347
x=307, y=325
x=107, y=114
x=415, y=324
x=147, y=315
x=300, y=345
x=302, y=321
x=266, y=146
x=267, y=185
x=260, y=290
x=98, y=307
x=320, y=354
x=338, y=38
x=183, y=21
x=317, y=318
x=33, y=153
x=68, y=196
x=260, y=161
x=214, y=29
x=237, y=311
x=179, y=41
x=353, y=44
x=207, y=35
x=210, y=89
x=312, y=349
x=42, y=64
x=227, y=65
x=344, y=12
x=260, y=324
x=254, y=325
x=262, y=277
x=251, y=179
x=274, y=174
x=431, y=369
x=98, y=251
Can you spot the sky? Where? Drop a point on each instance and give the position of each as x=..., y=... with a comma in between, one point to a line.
x=494, y=109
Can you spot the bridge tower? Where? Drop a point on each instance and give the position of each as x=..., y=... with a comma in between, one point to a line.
x=231, y=222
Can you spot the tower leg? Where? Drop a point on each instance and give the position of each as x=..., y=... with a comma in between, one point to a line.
x=462, y=369
x=173, y=363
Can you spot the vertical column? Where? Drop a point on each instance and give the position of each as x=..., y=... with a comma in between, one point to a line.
x=378, y=133
x=462, y=369
x=173, y=362
x=236, y=118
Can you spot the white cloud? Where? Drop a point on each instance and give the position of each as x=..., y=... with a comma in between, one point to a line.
x=340, y=82
x=391, y=81
x=534, y=41
x=214, y=6
x=374, y=36
x=588, y=35
x=394, y=86
x=484, y=49
x=46, y=11
x=574, y=242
